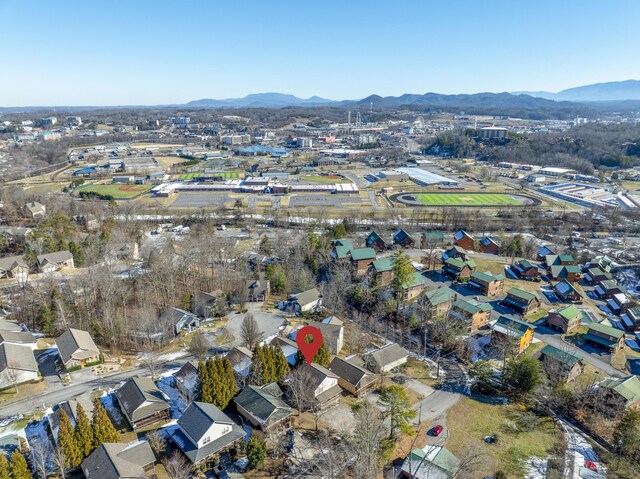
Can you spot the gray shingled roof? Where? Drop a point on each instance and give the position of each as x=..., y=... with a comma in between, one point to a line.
x=135, y=393
x=17, y=356
x=353, y=374
x=263, y=403
x=199, y=417
x=23, y=337
x=119, y=461
x=76, y=344
x=55, y=258
x=388, y=354
x=10, y=262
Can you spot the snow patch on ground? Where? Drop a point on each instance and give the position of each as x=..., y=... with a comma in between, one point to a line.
x=36, y=435
x=176, y=402
x=111, y=405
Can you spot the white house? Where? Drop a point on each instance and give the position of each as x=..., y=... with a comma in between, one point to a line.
x=17, y=365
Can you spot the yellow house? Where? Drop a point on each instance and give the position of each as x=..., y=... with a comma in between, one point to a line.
x=519, y=332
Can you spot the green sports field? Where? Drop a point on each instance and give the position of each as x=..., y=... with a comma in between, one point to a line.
x=118, y=192
x=467, y=199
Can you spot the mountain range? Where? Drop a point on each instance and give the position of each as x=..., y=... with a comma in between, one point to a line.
x=528, y=100
x=610, y=91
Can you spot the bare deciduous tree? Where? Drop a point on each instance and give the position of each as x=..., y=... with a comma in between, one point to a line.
x=178, y=466
x=157, y=441
x=368, y=433
x=250, y=331
x=199, y=346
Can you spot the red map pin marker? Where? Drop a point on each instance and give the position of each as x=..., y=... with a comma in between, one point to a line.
x=309, y=349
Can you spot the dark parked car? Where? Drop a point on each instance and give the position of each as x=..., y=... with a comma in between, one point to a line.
x=220, y=473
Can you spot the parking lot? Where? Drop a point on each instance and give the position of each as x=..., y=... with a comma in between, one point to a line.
x=321, y=199
x=199, y=200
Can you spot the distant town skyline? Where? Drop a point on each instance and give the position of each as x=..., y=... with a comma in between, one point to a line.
x=160, y=52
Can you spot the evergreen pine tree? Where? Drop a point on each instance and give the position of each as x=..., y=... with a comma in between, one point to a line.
x=323, y=358
x=256, y=376
x=203, y=380
x=4, y=467
x=230, y=380
x=282, y=366
x=67, y=441
x=269, y=364
x=84, y=433
x=19, y=469
x=103, y=428
x=218, y=384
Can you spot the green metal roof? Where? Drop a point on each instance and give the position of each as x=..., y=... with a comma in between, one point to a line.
x=342, y=251
x=458, y=263
x=343, y=242
x=522, y=294
x=601, y=328
x=525, y=264
x=513, y=324
x=566, y=258
x=417, y=280
x=628, y=388
x=358, y=254
x=570, y=312
x=487, y=277
x=433, y=235
x=439, y=295
x=565, y=357
x=471, y=306
x=383, y=264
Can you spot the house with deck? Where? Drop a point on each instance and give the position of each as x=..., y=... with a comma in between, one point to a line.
x=375, y=241
x=386, y=358
x=561, y=365
x=77, y=348
x=605, y=337
x=142, y=403
x=489, y=246
x=471, y=312
x=432, y=240
x=618, y=394
x=464, y=240
x=514, y=331
x=404, y=239
x=116, y=460
x=14, y=267
x=383, y=271
x=567, y=319
x=526, y=270
x=457, y=269
x=438, y=301
x=566, y=291
x=486, y=283
x=351, y=377
x=263, y=406
x=522, y=301
x=361, y=258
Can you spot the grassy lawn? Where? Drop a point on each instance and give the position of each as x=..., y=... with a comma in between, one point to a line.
x=420, y=371
x=24, y=391
x=190, y=176
x=539, y=314
x=327, y=180
x=467, y=199
x=119, y=192
x=470, y=421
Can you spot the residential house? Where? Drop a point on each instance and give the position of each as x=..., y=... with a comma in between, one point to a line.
x=89, y=222
x=524, y=302
x=544, y=251
x=489, y=246
x=487, y=283
x=14, y=267
x=455, y=252
x=20, y=338
x=35, y=210
x=186, y=378
x=414, y=287
x=569, y=273
x=383, y=270
x=604, y=263
x=116, y=460
x=404, y=239
x=50, y=262
x=142, y=403
x=515, y=331
x=205, y=305
x=559, y=260
x=324, y=385
x=432, y=239
x=17, y=365
x=619, y=303
x=361, y=258
x=352, y=377
x=609, y=288
x=240, y=359
x=123, y=252
x=178, y=320
x=70, y=407
x=605, y=337
x=474, y=314
x=464, y=240
x=526, y=270
x=289, y=349
x=596, y=276
x=341, y=248
x=566, y=291
x=438, y=301
x=386, y=358
x=15, y=234
x=430, y=462
x=457, y=269
x=566, y=319
x=632, y=318
x=618, y=394
x=258, y=290
x=561, y=365
x=375, y=241
x=263, y=406
x=332, y=330
x=306, y=301
x=77, y=348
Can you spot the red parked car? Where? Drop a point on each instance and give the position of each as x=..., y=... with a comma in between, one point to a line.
x=436, y=431
x=591, y=465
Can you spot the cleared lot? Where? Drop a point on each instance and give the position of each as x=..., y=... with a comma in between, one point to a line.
x=269, y=324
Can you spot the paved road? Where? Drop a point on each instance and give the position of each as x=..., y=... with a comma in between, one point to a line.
x=549, y=336
x=51, y=398
x=374, y=203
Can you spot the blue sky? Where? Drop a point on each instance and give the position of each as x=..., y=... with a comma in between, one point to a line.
x=120, y=52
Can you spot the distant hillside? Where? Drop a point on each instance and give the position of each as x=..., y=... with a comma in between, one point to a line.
x=609, y=91
x=261, y=100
